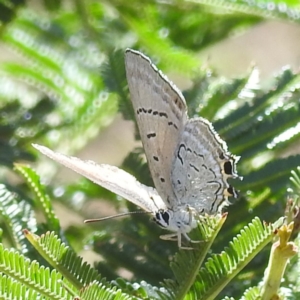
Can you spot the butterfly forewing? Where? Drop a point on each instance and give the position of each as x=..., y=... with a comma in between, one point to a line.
x=111, y=178
x=160, y=111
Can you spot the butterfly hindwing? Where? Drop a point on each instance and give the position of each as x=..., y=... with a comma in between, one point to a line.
x=201, y=167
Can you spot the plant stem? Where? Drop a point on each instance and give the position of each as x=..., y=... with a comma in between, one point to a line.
x=281, y=252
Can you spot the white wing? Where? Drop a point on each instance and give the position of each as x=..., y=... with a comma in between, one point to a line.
x=202, y=166
x=160, y=111
x=111, y=178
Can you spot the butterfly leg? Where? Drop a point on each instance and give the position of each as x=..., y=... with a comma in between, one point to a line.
x=179, y=242
x=192, y=212
x=188, y=239
x=176, y=237
x=169, y=237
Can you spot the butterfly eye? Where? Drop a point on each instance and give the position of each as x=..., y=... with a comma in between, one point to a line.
x=162, y=218
x=166, y=216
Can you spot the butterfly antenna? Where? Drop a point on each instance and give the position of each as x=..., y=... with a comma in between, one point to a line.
x=117, y=216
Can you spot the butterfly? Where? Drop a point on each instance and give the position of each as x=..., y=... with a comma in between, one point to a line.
x=189, y=163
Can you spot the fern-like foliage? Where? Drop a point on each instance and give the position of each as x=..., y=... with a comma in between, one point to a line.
x=295, y=180
x=251, y=294
x=96, y=291
x=16, y=214
x=15, y=289
x=24, y=278
x=43, y=200
x=221, y=268
x=187, y=263
x=63, y=259
x=63, y=74
x=258, y=8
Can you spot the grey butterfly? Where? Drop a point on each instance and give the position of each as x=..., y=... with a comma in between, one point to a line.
x=188, y=161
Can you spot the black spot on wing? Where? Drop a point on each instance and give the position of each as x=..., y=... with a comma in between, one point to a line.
x=172, y=124
x=180, y=105
x=151, y=135
x=154, y=113
x=221, y=155
x=163, y=114
x=232, y=192
x=228, y=168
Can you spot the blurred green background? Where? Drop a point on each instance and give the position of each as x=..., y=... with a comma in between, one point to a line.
x=62, y=84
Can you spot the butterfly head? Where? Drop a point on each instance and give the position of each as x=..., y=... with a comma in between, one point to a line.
x=179, y=221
